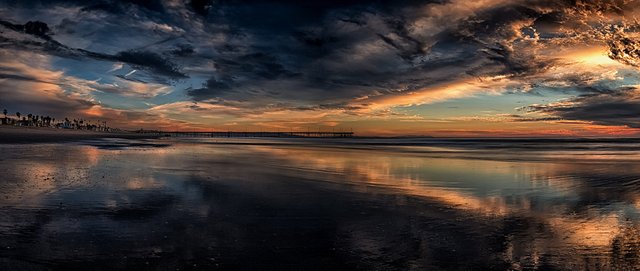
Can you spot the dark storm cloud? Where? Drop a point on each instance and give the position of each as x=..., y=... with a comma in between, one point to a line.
x=183, y=50
x=354, y=49
x=213, y=88
x=201, y=7
x=313, y=53
x=35, y=28
x=116, y=6
x=154, y=62
x=317, y=41
x=401, y=39
x=610, y=107
x=235, y=75
x=625, y=50
x=311, y=46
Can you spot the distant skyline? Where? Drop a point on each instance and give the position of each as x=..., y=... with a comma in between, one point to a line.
x=381, y=68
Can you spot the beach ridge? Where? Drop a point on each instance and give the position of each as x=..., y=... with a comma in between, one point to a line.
x=13, y=134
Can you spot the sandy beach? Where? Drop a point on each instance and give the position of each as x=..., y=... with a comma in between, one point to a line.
x=12, y=134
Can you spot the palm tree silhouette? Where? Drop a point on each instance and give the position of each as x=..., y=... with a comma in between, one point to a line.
x=18, y=115
x=5, y=113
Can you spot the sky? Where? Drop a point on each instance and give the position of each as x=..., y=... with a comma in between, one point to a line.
x=379, y=68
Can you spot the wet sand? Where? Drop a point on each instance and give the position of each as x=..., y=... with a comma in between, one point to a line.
x=260, y=204
x=12, y=134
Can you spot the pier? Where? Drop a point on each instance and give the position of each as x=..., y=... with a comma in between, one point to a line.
x=311, y=134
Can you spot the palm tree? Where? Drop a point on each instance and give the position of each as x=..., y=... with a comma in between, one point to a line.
x=18, y=115
x=5, y=113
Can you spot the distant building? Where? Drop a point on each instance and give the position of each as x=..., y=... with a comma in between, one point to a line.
x=23, y=122
x=66, y=125
x=8, y=121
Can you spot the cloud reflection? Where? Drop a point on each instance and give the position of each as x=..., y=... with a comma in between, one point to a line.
x=365, y=208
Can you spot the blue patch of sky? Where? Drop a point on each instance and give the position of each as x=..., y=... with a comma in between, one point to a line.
x=93, y=70
x=485, y=104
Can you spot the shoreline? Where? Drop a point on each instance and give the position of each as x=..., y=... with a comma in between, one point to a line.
x=25, y=135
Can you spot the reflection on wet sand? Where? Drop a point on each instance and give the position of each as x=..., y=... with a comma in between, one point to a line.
x=205, y=204
x=32, y=171
x=489, y=190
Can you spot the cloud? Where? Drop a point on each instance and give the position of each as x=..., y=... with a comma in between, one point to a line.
x=201, y=7
x=116, y=66
x=351, y=58
x=442, y=92
x=624, y=48
x=28, y=85
x=617, y=107
x=151, y=61
x=351, y=51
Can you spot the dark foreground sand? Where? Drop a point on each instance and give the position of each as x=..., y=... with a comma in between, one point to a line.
x=11, y=134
